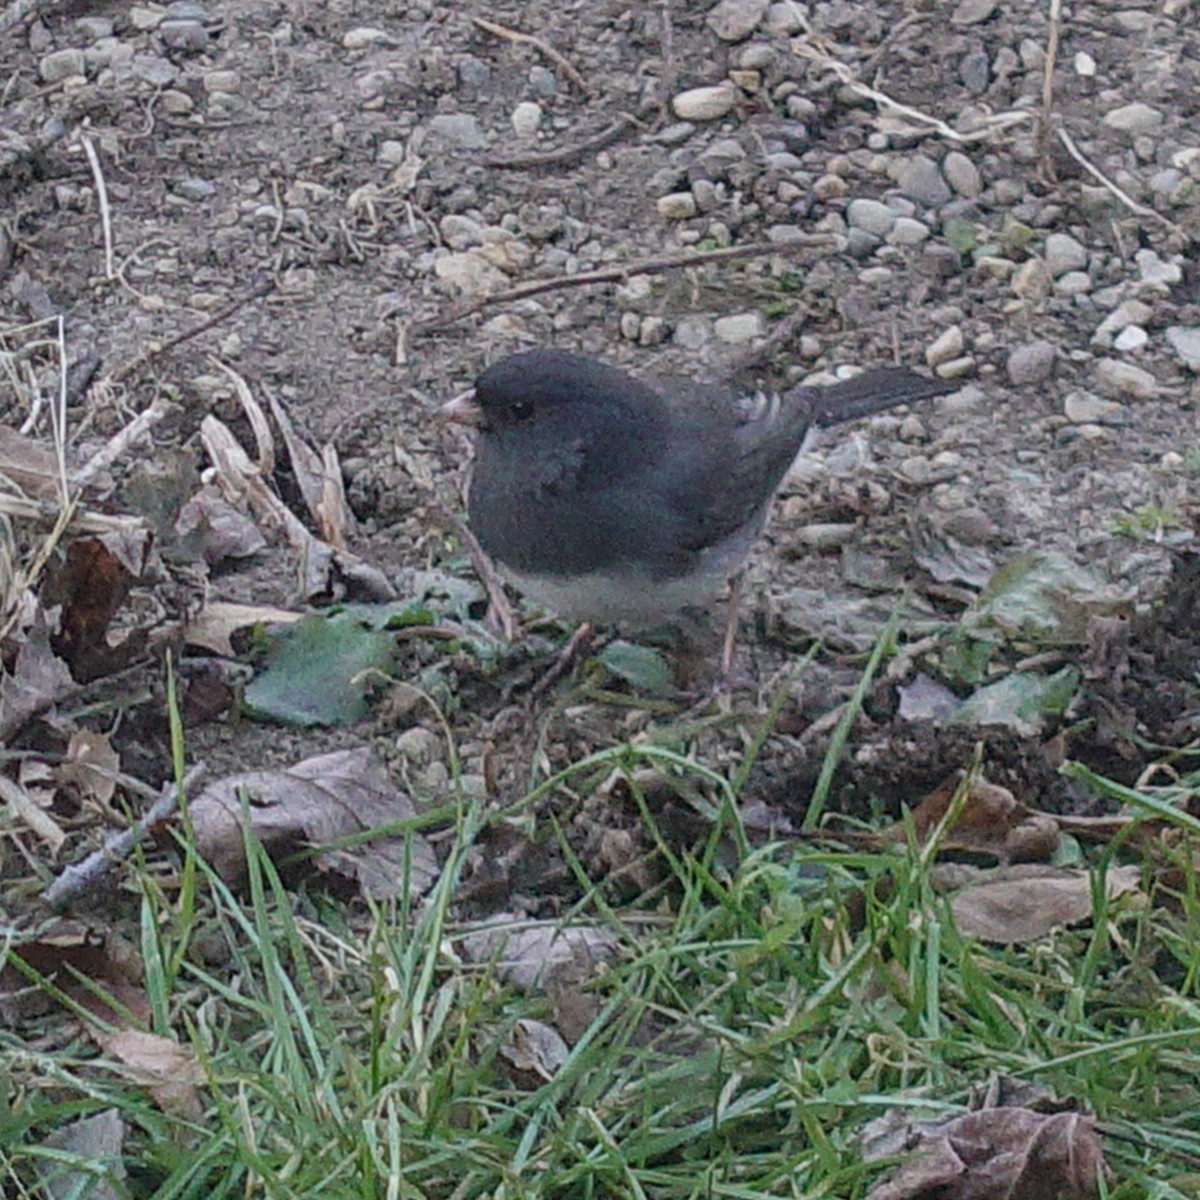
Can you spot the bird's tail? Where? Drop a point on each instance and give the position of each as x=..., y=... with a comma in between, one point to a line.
x=873, y=392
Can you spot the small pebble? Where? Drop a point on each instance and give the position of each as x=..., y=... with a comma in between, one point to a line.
x=1073, y=283
x=526, y=118
x=1031, y=363
x=1085, y=408
x=1131, y=339
x=704, y=103
x=920, y=179
x=972, y=12
x=1031, y=281
x=1133, y=118
x=363, y=37
x=676, y=206
x=61, y=64
x=946, y=346
x=1064, y=253
x=962, y=174
x=1185, y=341
x=871, y=216
x=1153, y=269
x=1124, y=379
x=908, y=231
x=1085, y=65
x=738, y=328
x=735, y=20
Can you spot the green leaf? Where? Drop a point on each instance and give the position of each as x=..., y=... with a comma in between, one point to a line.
x=1022, y=700
x=641, y=666
x=318, y=672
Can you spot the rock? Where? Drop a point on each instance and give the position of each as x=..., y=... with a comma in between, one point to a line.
x=61, y=64
x=1063, y=254
x=145, y=17
x=1085, y=408
x=222, y=81
x=908, y=231
x=704, y=103
x=785, y=18
x=920, y=179
x=973, y=12
x=158, y=71
x=1073, y=283
x=738, y=328
x=975, y=70
x=1152, y=269
x=946, y=346
x=363, y=37
x=1128, y=312
x=693, y=331
x=1031, y=281
x=1031, y=363
x=1133, y=118
x=469, y=273
x=458, y=129
x=871, y=216
x=962, y=174
x=676, y=206
x=526, y=118
x=94, y=28
x=735, y=20
x=1084, y=64
x=460, y=232
x=473, y=72
x=186, y=37
x=956, y=368
x=1124, y=379
x=1185, y=341
x=194, y=189
x=1130, y=339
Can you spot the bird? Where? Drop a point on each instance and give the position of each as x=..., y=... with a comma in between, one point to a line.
x=612, y=500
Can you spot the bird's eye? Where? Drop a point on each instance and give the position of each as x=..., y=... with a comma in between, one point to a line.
x=521, y=410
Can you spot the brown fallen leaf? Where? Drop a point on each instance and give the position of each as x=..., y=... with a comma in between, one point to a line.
x=91, y=767
x=28, y=465
x=535, y=1051
x=991, y=821
x=528, y=956
x=169, y=1071
x=30, y=809
x=38, y=679
x=214, y=529
x=320, y=800
x=213, y=627
x=999, y=1154
x=1025, y=902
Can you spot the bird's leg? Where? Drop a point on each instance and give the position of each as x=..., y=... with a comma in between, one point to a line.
x=571, y=653
x=729, y=642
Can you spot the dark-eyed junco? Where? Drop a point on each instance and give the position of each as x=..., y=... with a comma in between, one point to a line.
x=608, y=500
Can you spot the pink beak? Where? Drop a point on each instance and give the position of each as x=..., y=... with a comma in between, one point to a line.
x=462, y=410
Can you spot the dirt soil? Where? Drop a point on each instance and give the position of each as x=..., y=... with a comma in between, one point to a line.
x=362, y=171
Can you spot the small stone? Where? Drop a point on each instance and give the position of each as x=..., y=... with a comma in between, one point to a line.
x=1152, y=269
x=1031, y=363
x=1185, y=341
x=908, y=231
x=194, y=189
x=1031, y=281
x=738, y=328
x=654, y=331
x=1131, y=339
x=920, y=179
x=785, y=18
x=1133, y=118
x=871, y=216
x=61, y=64
x=1124, y=379
x=704, y=103
x=187, y=37
x=676, y=206
x=957, y=368
x=222, y=81
x=829, y=187
x=1085, y=65
x=780, y=234
x=145, y=17
x=1063, y=254
x=1073, y=283
x=972, y=12
x=177, y=103
x=962, y=174
x=735, y=20
x=153, y=70
x=392, y=153
x=975, y=70
x=469, y=273
x=526, y=118
x=1086, y=408
x=364, y=36
x=94, y=28
x=630, y=326
x=1128, y=312
x=473, y=72
x=458, y=129
x=947, y=345
x=543, y=81
x=460, y=232
x=693, y=331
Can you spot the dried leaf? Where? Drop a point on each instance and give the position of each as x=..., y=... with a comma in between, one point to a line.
x=532, y=956
x=30, y=466
x=1000, y=1154
x=39, y=679
x=315, y=802
x=1023, y=903
x=30, y=813
x=170, y=1071
x=92, y=766
x=535, y=1051
x=215, y=530
x=214, y=625
x=97, y=1141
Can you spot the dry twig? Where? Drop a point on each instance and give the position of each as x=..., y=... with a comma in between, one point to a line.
x=80, y=877
x=1052, y=40
x=565, y=154
x=102, y=198
x=538, y=43
x=619, y=274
